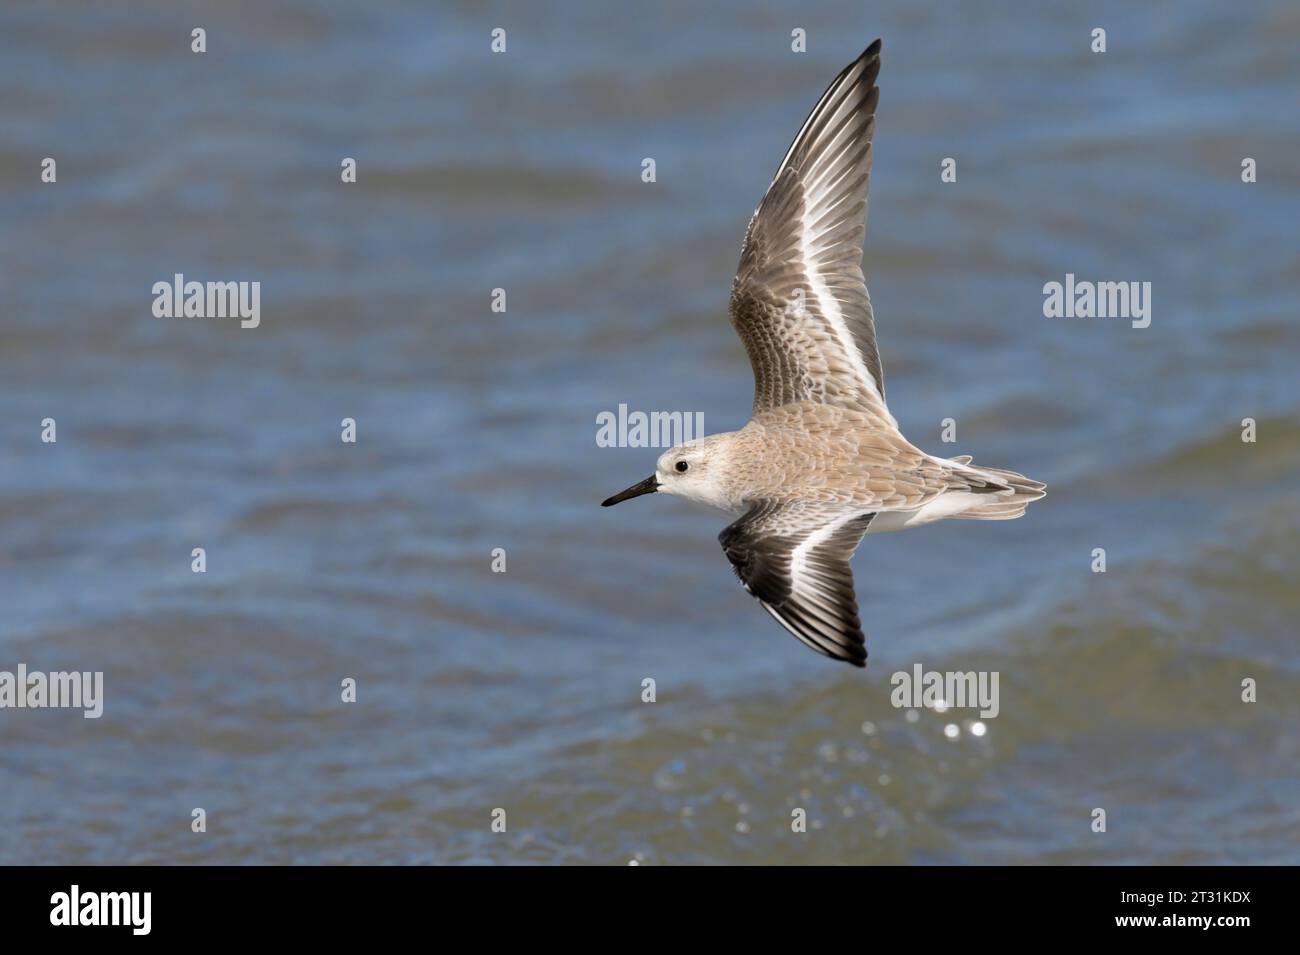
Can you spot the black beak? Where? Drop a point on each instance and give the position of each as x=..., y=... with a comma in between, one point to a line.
x=648, y=486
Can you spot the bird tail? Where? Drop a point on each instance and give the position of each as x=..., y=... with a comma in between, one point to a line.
x=1002, y=505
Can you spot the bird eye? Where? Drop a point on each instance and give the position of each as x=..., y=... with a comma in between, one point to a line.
x=682, y=466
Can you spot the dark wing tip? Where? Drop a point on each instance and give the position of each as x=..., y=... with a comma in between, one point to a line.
x=858, y=652
x=873, y=50
x=842, y=640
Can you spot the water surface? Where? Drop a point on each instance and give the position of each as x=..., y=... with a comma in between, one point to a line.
x=477, y=431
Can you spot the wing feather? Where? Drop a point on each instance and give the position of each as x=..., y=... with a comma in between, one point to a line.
x=795, y=559
x=799, y=302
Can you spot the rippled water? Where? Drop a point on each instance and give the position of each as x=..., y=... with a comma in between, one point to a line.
x=477, y=431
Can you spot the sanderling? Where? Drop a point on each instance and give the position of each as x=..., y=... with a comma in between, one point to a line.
x=821, y=462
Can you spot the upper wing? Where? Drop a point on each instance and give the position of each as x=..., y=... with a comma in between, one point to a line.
x=795, y=559
x=799, y=302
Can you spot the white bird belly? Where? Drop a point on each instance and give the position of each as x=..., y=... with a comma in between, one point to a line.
x=945, y=505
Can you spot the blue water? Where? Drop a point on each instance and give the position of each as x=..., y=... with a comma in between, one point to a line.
x=476, y=431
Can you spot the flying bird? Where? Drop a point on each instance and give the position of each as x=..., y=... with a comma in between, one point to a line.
x=821, y=462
